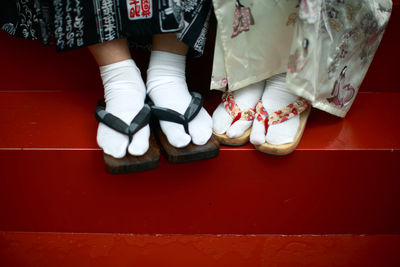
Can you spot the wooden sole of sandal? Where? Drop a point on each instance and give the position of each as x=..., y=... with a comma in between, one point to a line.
x=129, y=163
x=188, y=153
x=223, y=139
x=288, y=148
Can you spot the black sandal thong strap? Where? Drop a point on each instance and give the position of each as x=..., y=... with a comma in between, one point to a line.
x=138, y=122
x=166, y=114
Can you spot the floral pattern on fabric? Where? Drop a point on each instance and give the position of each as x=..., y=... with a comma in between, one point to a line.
x=247, y=58
x=339, y=33
x=292, y=19
x=298, y=60
x=220, y=81
x=242, y=19
x=234, y=111
x=343, y=38
x=281, y=115
x=342, y=93
x=310, y=9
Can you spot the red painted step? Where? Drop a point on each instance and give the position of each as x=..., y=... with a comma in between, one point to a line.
x=342, y=179
x=59, y=249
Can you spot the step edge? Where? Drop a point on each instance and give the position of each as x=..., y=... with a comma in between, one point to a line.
x=194, y=235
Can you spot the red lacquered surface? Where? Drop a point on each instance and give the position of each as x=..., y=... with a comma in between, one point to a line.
x=314, y=192
x=371, y=123
x=32, y=66
x=44, y=249
x=63, y=119
x=48, y=119
x=330, y=185
x=342, y=178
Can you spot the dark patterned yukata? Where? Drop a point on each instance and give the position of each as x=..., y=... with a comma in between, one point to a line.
x=72, y=24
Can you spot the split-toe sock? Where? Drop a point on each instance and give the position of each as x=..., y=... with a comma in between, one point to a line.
x=245, y=98
x=275, y=97
x=166, y=87
x=124, y=93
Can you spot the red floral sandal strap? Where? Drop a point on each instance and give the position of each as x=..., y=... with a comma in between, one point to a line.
x=234, y=110
x=281, y=115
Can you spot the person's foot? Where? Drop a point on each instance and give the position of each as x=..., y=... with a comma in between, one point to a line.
x=124, y=93
x=275, y=97
x=245, y=98
x=166, y=87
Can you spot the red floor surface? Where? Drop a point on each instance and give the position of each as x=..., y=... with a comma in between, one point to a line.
x=67, y=191
x=341, y=179
x=45, y=249
x=63, y=119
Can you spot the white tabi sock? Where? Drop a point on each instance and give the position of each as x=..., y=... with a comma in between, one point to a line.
x=166, y=87
x=245, y=98
x=124, y=93
x=275, y=97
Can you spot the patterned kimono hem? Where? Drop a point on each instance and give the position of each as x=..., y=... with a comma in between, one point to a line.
x=248, y=81
x=228, y=67
x=332, y=44
x=321, y=105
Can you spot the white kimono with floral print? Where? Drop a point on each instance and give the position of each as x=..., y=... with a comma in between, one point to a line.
x=325, y=46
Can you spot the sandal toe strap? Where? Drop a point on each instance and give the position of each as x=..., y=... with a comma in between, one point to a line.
x=115, y=123
x=234, y=111
x=110, y=120
x=280, y=115
x=140, y=120
x=167, y=114
x=194, y=107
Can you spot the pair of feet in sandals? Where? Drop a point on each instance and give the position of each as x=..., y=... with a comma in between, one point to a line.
x=184, y=130
x=264, y=113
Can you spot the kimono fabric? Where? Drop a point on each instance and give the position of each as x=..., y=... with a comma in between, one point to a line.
x=77, y=23
x=324, y=46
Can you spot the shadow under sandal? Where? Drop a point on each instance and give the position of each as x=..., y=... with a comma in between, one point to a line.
x=300, y=106
x=129, y=163
x=191, y=152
